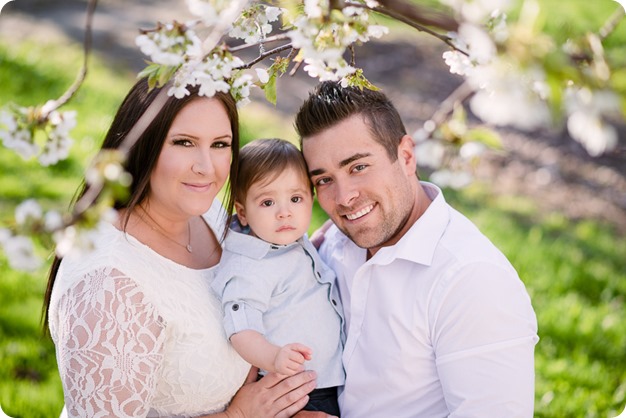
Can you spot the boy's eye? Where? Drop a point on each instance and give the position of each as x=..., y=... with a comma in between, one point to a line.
x=267, y=203
x=296, y=199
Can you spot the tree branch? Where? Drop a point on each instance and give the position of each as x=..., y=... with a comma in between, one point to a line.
x=612, y=22
x=279, y=37
x=412, y=16
x=264, y=55
x=82, y=74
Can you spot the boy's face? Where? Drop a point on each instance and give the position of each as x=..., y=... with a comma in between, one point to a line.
x=278, y=211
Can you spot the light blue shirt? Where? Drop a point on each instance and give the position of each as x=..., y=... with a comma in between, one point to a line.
x=286, y=293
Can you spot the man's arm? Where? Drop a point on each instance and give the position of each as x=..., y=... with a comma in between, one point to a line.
x=485, y=334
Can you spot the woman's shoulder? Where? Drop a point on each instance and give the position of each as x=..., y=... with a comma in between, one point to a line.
x=107, y=249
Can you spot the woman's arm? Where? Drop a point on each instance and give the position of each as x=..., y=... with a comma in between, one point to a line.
x=256, y=350
x=109, y=345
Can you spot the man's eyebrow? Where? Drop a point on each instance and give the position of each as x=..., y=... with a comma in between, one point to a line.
x=342, y=163
x=354, y=158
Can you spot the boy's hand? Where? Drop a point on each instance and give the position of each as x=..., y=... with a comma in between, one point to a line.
x=291, y=357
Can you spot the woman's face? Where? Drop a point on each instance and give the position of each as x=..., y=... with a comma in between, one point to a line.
x=194, y=162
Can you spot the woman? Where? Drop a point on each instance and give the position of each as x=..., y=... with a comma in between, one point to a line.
x=138, y=332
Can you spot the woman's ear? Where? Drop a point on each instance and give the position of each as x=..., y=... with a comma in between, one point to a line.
x=241, y=213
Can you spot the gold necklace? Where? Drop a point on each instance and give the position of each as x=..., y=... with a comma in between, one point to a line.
x=162, y=232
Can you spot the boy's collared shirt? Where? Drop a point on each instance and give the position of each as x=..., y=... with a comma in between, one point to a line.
x=286, y=293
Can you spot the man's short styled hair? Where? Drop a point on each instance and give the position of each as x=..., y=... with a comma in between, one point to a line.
x=330, y=103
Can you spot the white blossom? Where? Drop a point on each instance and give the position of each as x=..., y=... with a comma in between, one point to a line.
x=5, y=234
x=169, y=45
x=592, y=132
x=458, y=62
x=52, y=220
x=253, y=24
x=429, y=153
x=210, y=11
x=471, y=150
x=20, y=253
x=27, y=210
x=313, y=8
x=75, y=241
x=480, y=46
x=57, y=148
x=262, y=75
x=586, y=123
x=8, y=120
x=476, y=11
x=452, y=179
x=20, y=141
x=507, y=96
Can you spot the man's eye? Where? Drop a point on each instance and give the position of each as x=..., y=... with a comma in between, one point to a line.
x=360, y=167
x=322, y=181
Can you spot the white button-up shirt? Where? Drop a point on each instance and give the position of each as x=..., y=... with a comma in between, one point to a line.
x=438, y=325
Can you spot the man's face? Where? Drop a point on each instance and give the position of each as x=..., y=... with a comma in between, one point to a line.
x=368, y=196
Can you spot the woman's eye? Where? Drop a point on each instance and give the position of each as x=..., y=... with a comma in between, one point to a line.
x=182, y=142
x=221, y=144
x=267, y=203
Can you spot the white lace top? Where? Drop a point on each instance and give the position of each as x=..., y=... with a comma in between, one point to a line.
x=138, y=335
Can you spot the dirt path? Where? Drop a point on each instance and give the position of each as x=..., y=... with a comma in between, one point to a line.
x=554, y=171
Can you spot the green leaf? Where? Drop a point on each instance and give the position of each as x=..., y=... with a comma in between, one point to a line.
x=485, y=136
x=270, y=89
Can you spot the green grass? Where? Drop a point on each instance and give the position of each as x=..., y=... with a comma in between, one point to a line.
x=29, y=381
x=575, y=272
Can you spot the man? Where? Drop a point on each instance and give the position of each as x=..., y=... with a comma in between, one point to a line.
x=438, y=322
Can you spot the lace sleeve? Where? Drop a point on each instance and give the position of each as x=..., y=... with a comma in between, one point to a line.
x=109, y=346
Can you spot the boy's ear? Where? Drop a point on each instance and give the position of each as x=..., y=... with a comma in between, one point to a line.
x=241, y=213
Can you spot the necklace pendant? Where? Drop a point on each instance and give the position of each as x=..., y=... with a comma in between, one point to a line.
x=189, y=249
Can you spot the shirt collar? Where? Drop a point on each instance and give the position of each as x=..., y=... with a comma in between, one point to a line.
x=239, y=242
x=420, y=241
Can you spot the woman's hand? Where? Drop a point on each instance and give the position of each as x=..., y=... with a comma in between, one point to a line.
x=274, y=396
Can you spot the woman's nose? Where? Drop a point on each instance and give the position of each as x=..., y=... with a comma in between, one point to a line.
x=202, y=164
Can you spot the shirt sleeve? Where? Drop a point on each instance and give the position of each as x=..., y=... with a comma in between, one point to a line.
x=245, y=298
x=484, y=334
x=109, y=346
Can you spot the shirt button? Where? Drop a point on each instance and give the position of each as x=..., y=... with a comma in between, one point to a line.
x=236, y=307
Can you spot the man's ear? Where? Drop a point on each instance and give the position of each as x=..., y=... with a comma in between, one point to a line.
x=241, y=213
x=406, y=155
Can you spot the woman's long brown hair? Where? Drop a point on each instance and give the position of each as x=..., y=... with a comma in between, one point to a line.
x=143, y=155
